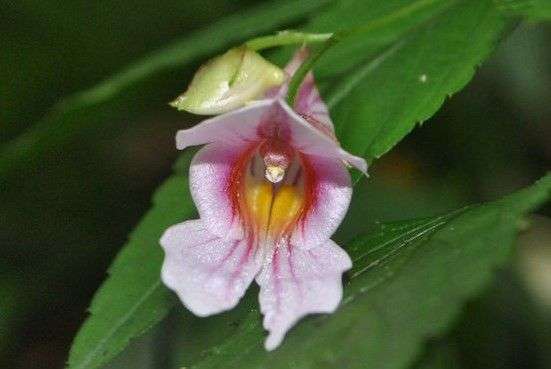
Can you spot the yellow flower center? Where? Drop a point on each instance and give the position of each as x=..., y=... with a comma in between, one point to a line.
x=273, y=209
x=271, y=191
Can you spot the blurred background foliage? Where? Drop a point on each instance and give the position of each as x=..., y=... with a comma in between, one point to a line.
x=63, y=220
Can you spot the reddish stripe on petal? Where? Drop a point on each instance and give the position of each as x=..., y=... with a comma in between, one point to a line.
x=310, y=190
x=235, y=185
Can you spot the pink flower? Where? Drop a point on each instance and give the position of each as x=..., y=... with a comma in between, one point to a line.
x=271, y=187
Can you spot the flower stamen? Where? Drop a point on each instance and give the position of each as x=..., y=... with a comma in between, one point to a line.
x=277, y=156
x=274, y=173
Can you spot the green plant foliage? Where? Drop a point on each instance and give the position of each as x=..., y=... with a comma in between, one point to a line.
x=440, y=356
x=533, y=10
x=409, y=278
x=409, y=282
x=70, y=116
x=445, y=50
x=8, y=305
x=133, y=297
x=383, y=23
x=387, y=96
x=540, y=11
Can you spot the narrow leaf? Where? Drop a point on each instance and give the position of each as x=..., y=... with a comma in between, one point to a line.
x=133, y=297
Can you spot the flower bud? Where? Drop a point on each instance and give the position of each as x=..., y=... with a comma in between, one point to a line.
x=229, y=81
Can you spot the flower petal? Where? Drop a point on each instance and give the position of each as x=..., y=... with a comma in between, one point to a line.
x=310, y=105
x=309, y=140
x=330, y=193
x=210, y=275
x=209, y=176
x=308, y=101
x=242, y=126
x=236, y=127
x=299, y=282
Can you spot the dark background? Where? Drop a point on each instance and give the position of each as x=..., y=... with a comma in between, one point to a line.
x=62, y=222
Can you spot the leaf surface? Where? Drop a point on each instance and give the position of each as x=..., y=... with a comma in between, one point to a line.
x=133, y=298
x=134, y=87
x=378, y=102
x=375, y=106
x=409, y=282
x=533, y=10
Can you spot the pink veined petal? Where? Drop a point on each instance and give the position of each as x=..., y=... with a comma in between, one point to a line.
x=310, y=105
x=308, y=102
x=209, y=177
x=355, y=161
x=241, y=127
x=331, y=192
x=236, y=127
x=299, y=282
x=311, y=141
x=296, y=61
x=210, y=275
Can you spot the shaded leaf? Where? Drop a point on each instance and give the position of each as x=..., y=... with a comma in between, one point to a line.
x=133, y=298
x=533, y=10
x=70, y=116
x=409, y=282
x=387, y=21
x=440, y=355
x=379, y=102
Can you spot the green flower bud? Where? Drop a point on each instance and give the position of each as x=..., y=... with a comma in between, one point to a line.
x=229, y=81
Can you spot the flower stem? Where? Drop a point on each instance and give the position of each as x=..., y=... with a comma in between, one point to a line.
x=286, y=38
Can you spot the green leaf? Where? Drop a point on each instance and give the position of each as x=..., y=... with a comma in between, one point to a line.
x=533, y=10
x=380, y=101
x=387, y=21
x=540, y=11
x=409, y=282
x=95, y=107
x=10, y=305
x=133, y=297
x=439, y=356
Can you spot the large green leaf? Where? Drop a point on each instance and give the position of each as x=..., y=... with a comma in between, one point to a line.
x=533, y=10
x=379, y=101
x=386, y=21
x=409, y=282
x=133, y=297
x=540, y=10
x=96, y=107
x=440, y=356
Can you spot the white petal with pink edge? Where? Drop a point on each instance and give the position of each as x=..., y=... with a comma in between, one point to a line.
x=295, y=283
x=236, y=127
x=310, y=140
x=209, y=275
x=209, y=177
x=332, y=193
x=242, y=126
x=308, y=101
